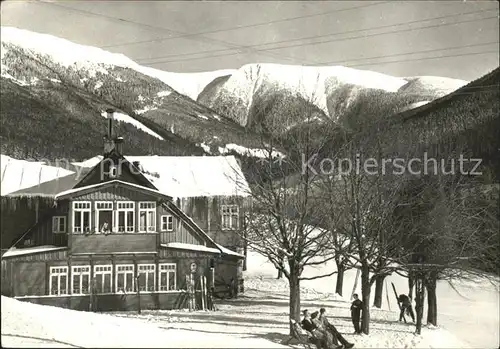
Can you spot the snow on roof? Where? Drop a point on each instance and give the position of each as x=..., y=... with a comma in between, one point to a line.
x=21, y=174
x=97, y=185
x=30, y=250
x=229, y=252
x=191, y=247
x=191, y=176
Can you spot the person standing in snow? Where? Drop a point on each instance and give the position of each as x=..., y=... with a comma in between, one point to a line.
x=356, y=307
x=405, y=306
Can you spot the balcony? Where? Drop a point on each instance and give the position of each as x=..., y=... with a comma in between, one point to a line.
x=114, y=242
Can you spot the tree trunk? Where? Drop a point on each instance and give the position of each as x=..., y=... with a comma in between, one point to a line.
x=365, y=294
x=430, y=285
x=294, y=298
x=379, y=288
x=411, y=284
x=419, y=300
x=280, y=274
x=340, y=278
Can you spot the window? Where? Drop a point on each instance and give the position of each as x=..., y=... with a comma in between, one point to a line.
x=81, y=278
x=102, y=277
x=81, y=216
x=58, y=282
x=167, y=223
x=58, y=224
x=147, y=213
x=230, y=217
x=104, y=216
x=146, y=277
x=125, y=217
x=125, y=278
x=167, y=276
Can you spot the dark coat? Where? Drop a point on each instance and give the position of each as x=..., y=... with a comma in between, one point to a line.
x=356, y=307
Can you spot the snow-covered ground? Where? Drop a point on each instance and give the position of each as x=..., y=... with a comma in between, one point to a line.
x=467, y=309
x=257, y=319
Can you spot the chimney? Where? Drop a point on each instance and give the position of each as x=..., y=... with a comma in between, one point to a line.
x=108, y=139
x=119, y=144
x=110, y=117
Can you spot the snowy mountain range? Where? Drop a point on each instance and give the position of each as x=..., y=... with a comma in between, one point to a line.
x=62, y=89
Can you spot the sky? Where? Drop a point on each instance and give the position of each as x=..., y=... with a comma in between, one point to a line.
x=457, y=39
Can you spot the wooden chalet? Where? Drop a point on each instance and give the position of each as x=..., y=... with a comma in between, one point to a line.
x=112, y=241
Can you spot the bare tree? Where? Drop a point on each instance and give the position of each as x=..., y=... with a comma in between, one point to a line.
x=365, y=199
x=452, y=229
x=280, y=225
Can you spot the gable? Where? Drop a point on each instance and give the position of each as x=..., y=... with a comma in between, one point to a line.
x=115, y=167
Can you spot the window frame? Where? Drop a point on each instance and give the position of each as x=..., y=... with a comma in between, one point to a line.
x=97, y=210
x=124, y=272
x=230, y=213
x=56, y=223
x=81, y=211
x=147, y=272
x=53, y=272
x=117, y=216
x=102, y=274
x=147, y=210
x=74, y=273
x=169, y=225
x=167, y=271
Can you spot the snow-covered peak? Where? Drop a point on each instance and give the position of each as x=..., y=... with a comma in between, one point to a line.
x=308, y=77
x=67, y=53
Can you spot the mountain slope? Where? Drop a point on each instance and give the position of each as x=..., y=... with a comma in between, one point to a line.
x=70, y=85
x=340, y=94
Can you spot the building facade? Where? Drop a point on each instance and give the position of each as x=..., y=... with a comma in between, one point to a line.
x=115, y=241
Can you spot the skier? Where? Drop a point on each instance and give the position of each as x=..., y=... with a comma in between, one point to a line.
x=356, y=307
x=405, y=307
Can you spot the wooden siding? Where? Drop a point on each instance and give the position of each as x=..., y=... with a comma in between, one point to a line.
x=115, y=192
x=29, y=278
x=181, y=233
x=100, y=243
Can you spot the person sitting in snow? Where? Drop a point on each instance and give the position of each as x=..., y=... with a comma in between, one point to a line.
x=405, y=307
x=322, y=339
x=337, y=337
x=356, y=308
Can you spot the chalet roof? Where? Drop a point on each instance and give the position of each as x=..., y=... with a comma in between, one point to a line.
x=177, y=176
x=70, y=192
x=189, y=176
x=21, y=175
